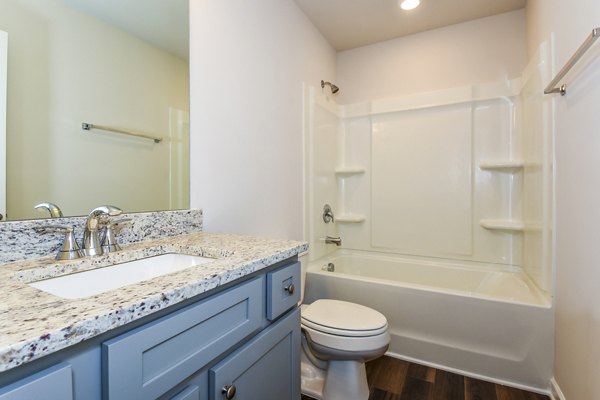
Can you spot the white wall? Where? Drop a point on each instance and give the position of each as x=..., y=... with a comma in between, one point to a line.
x=577, y=147
x=486, y=49
x=66, y=68
x=249, y=60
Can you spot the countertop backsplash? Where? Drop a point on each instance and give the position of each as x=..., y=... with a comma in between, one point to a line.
x=19, y=240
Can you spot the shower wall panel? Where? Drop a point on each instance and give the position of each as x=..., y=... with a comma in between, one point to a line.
x=322, y=148
x=424, y=191
x=422, y=181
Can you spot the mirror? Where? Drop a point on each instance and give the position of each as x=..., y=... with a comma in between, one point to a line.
x=120, y=64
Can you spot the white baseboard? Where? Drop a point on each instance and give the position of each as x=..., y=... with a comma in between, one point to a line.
x=555, y=392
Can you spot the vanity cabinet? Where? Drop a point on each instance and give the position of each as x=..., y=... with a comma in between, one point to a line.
x=246, y=335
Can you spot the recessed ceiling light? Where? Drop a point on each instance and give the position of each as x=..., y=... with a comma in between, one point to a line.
x=409, y=4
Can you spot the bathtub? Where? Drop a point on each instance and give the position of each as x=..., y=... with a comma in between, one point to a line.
x=477, y=320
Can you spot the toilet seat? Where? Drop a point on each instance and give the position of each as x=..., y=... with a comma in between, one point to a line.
x=357, y=344
x=341, y=318
x=345, y=326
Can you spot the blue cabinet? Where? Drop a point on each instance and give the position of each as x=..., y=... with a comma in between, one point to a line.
x=268, y=367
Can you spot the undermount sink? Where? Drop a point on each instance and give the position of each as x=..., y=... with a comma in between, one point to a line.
x=100, y=280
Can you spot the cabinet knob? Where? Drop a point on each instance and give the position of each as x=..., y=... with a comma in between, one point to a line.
x=228, y=391
x=290, y=288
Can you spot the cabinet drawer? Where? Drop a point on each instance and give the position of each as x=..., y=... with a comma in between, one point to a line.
x=267, y=367
x=192, y=392
x=283, y=290
x=54, y=383
x=150, y=360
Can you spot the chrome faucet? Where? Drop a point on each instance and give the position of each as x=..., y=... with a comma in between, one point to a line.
x=52, y=208
x=91, y=236
x=333, y=240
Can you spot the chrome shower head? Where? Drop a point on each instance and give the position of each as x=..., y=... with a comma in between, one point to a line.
x=334, y=89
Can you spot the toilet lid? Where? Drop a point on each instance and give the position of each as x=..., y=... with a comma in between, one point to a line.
x=347, y=318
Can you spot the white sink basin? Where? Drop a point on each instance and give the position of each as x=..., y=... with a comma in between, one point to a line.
x=90, y=283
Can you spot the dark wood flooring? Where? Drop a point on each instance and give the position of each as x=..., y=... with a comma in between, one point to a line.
x=393, y=379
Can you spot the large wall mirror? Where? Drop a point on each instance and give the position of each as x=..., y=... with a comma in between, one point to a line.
x=115, y=63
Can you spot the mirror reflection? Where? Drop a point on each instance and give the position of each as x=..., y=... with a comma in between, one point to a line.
x=120, y=64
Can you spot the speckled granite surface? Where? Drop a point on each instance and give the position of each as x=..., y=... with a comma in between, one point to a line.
x=21, y=242
x=34, y=323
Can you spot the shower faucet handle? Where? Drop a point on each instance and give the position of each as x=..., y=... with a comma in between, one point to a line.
x=328, y=214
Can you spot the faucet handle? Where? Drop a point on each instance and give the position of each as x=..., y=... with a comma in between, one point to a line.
x=109, y=242
x=69, y=250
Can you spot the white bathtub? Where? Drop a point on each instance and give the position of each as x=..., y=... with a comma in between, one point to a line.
x=478, y=320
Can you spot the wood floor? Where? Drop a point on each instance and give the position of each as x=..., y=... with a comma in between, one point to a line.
x=393, y=379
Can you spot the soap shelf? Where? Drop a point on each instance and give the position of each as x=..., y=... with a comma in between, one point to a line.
x=350, y=218
x=503, y=225
x=349, y=171
x=502, y=166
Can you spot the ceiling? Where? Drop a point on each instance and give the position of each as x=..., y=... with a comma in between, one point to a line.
x=347, y=24
x=163, y=23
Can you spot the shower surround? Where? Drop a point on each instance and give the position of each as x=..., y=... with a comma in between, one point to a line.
x=454, y=177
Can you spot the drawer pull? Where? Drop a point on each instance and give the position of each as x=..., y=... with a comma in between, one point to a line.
x=290, y=288
x=228, y=391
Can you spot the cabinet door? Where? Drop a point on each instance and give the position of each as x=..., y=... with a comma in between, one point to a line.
x=54, y=383
x=152, y=359
x=268, y=367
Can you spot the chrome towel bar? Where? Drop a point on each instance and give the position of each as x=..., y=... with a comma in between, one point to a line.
x=562, y=89
x=86, y=127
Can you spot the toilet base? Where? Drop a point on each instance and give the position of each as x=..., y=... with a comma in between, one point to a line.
x=343, y=380
x=346, y=380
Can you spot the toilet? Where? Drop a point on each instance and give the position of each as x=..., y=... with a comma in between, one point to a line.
x=338, y=337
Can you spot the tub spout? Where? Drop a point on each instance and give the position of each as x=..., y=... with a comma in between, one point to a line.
x=333, y=240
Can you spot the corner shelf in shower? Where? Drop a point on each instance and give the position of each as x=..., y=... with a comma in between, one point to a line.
x=510, y=225
x=347, y=171
x=502, y=166
x=350, y=218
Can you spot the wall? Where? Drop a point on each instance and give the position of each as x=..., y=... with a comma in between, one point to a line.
x=486, y=49
x=66, y=68
x=577, y=169
x=250, y=61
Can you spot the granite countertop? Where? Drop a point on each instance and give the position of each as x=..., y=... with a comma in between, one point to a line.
x=34, y=323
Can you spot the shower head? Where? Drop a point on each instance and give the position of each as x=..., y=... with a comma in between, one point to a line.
x=334, y=89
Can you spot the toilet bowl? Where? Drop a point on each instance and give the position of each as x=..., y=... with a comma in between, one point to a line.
x=338, y=337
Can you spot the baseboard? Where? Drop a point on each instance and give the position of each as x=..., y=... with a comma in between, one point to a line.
x=555, y=392
x=547, y=392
